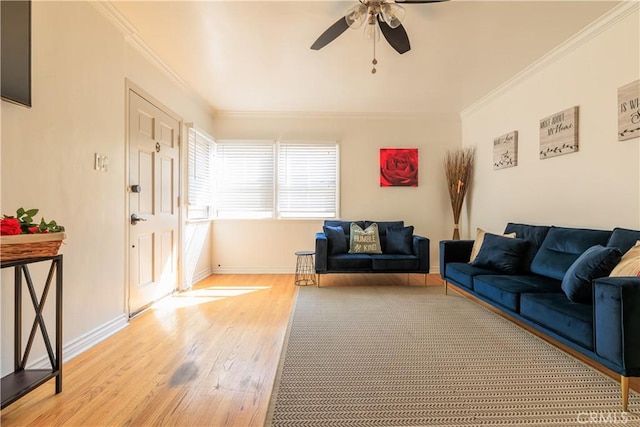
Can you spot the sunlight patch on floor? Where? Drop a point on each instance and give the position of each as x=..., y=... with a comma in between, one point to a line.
x=203, y=296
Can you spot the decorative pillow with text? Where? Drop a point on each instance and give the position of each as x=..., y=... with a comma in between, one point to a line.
x=365, y=241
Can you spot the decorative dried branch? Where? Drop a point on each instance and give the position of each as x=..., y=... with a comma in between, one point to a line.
x=458, y=167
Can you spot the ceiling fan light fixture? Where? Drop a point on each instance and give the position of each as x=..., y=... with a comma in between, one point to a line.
x=356, y=16
x=392, y=13
x=372, y=30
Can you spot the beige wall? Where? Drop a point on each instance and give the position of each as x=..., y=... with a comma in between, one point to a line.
x=599, y=186
x=80, y=63
x=269, y=246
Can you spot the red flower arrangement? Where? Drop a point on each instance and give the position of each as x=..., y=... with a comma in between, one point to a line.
x=23, y=223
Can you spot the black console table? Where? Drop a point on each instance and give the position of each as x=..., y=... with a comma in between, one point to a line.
x=22, y=380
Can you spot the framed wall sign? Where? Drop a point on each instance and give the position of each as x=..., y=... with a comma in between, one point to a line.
x=629, y=111
x=505, y=150
x=559, y=133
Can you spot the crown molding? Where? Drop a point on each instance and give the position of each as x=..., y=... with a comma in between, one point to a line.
x=130, y=33
x=319, y=115
x=606, y=21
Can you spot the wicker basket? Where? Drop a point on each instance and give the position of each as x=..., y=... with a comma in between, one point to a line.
x=24, y=246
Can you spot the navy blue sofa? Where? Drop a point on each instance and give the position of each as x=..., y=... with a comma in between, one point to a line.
x=332, y=254
x=605, y=328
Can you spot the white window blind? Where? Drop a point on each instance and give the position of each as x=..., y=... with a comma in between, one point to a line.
x=307, y=180
x=244, y=179
x=200, y=177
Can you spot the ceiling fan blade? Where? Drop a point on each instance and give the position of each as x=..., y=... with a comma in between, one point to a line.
x=330, y=34
x=397, y=37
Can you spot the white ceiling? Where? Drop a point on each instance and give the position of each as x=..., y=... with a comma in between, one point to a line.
x=255, y=56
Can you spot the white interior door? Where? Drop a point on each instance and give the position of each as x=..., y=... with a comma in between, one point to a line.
x=153, y=202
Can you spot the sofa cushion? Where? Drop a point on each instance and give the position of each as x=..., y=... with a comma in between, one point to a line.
x=629, y=265
x=562, y=247
x=506, y=290
x=337, y=240
x=365, y=241
x=477, y=243
x=501, y=253
x=383, y=226
x=534, y=234
x=346, y=225
x=623, y=239
x=349, y=263
x=555, y=312
x=400, y=241
x=595, y=262
x=462, y=273
x=395, y=262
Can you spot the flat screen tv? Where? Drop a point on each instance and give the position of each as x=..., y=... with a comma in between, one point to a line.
x=15, y=51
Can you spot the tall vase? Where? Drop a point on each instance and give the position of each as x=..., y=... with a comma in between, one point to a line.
x=456, y=232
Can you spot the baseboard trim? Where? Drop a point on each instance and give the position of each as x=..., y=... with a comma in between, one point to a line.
x=258, y=270
x=253, y=270
x=197, y=277
x=84, y=342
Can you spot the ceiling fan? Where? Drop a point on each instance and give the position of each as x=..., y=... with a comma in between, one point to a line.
x=381, y=16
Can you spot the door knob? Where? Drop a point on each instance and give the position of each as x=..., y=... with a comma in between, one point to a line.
x=136, y=188
x=135, y=218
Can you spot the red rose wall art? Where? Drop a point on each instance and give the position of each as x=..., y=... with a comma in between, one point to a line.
x=398, y=167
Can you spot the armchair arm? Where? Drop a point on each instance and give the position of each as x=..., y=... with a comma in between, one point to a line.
x=616, y=325
x=322, y=251
x=421, y=250
x=454, y=251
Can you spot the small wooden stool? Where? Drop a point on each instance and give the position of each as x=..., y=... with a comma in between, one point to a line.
x=305, y=270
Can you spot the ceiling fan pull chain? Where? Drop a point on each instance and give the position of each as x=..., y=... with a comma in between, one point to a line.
x=375, y=61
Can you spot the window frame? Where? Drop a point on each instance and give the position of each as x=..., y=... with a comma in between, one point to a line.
x=275, y=212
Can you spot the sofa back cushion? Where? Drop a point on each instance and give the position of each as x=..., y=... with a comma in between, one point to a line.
x=562, y=246
x=346, y=225
x=383, y=226
x=534, y=234
x=623, y=239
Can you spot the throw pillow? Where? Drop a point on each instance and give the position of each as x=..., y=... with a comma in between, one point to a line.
x=477, y=244
x=629, y=265
x=595, y=262
x=501, y=253
x=400, y=240
x=365, y=241
x=336, y=238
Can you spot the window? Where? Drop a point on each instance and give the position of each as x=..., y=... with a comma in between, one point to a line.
x=307, y=177
x=200, y=185
x=244, y=179
x=266, y=179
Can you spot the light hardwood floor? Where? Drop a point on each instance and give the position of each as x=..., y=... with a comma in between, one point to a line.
x=207, y=357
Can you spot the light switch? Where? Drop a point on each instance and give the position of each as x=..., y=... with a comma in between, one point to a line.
x=100, y=162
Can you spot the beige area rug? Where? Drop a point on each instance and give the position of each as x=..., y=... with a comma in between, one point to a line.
x=404, y=356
